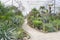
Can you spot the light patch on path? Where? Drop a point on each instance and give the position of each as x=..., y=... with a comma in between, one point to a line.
x=36, y=35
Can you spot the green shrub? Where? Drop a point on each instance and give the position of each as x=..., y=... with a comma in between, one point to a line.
x=37, y=23
x=49, y=27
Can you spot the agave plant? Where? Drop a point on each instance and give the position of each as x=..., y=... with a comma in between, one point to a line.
x=4, y=32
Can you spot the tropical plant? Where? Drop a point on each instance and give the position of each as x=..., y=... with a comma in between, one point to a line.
x=49, y=27
x=44, y=20
x=37, y=24
x=9, y=22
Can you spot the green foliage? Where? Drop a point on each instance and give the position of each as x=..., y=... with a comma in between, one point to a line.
x=10, y=20
x=35, y=12
x=37, y=22
x=19, y=33
x=43, y=18
x=49, y=27
x=57, y=21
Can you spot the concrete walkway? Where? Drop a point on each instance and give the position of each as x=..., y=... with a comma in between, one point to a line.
x=36, y=35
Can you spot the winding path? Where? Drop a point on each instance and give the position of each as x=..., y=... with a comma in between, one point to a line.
x=36, y=35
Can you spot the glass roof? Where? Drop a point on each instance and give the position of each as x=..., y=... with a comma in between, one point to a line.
x=29, y=4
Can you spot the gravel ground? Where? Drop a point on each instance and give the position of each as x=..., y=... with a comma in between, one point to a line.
x=36, y=35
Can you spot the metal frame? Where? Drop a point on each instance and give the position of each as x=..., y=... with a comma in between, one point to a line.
x=19, y=3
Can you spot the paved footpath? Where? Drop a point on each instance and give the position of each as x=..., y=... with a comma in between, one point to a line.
x=36, y=35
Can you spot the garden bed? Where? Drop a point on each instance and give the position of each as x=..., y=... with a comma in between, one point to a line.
x=11, y=20
x=45, y=22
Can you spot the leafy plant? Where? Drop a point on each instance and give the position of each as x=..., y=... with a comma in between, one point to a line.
x=49, y=27
x=44, y=19
x=10, y=22
x=37, y=23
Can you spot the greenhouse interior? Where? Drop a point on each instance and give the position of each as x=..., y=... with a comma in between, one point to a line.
x=29, y=19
